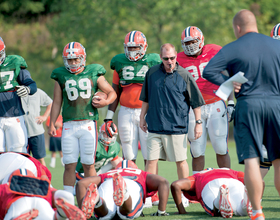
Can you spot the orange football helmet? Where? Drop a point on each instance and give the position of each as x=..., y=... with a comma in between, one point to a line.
x=275, y=32
x=189, y=34
x=126, y=164
x=135, y=39
x=21, y=172
x=74, y=50
x=104, y=138
x=2, y=51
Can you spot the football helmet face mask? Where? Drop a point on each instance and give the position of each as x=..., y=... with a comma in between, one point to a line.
x=126, y=164
x=74, y=50
x=104, y=138
x=189, y=34
x=135, y=39
x=275, y=32
x=2, y=51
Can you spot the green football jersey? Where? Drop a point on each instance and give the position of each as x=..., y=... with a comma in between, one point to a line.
x=9, y=72
x=133, y=71
x=77, y=91
x=102, y=157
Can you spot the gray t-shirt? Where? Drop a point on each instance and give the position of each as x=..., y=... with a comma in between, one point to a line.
x=32, y=107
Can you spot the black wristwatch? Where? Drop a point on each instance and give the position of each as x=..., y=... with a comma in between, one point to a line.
x=198, y=121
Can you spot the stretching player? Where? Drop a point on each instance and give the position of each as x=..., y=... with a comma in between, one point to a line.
x=26, y=197
x=214, y=119
x=121, y=192
x=219, y=191
x=15, y=83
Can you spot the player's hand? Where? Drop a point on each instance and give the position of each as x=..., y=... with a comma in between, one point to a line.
x=197, y=131
x=23, y=91
x=40, y=119
x=99, y=102
x=52, y=131
x=110, y=128
x=230, y=112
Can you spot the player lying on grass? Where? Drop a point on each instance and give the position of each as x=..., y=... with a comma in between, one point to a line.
x=26, y=197
x=221, y=192
x=121, y=192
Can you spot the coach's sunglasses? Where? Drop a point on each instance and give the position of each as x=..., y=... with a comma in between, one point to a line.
x=167, y=58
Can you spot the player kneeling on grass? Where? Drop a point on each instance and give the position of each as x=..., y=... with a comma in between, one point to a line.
x=26, y=197
x=221, y=192
x=121, y=192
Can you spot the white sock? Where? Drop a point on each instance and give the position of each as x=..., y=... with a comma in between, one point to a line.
x=256, y=211
x=69, y=189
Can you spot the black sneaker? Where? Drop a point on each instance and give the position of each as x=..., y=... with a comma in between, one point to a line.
x=157, y=214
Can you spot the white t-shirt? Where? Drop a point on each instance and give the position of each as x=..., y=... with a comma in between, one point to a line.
x=32, y=107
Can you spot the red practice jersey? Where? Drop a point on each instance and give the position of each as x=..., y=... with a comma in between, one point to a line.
x=136, y=175
x=204, y=177
x=195, y=66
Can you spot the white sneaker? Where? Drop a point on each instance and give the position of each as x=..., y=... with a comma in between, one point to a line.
x=148, y=203
x=52, y=164
x=61, y=159
x=185, y=201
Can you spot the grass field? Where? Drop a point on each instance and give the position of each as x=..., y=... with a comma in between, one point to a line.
x=270, y=201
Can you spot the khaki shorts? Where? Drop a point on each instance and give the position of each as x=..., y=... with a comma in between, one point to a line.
x=167, y=147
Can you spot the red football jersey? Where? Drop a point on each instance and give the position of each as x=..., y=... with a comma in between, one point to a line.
x=206, y=176
x=136, y=175
x=195, y=66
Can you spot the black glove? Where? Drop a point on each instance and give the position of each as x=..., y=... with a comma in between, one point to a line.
x=230, y=111
x=110, y=127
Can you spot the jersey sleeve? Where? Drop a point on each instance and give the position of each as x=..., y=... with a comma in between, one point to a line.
x=113, y=63
x=116, y=78
x=22, y=62
x=100, y=70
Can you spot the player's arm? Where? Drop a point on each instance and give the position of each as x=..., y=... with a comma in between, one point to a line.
x=27, y=86
x=144, y=110
x=105, y=87
x=55, y=110
x=198, y=127
x=116, y=161
x=185, y=184
x=160, y=184
x=82, y=185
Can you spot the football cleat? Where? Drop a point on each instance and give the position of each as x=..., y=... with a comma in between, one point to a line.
x=258, y=216
x=155, y=199
x=119, y=187
x=247, y=202
x=148, y=203
x=157, y=214
x=185, y=201
x=28, y=215
x=90, y=199
x=224, y=203
x=72, y=212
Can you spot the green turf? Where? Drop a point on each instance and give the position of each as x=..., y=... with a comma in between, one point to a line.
x=270, y=202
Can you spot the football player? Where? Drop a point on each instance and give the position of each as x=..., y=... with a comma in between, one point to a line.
x=130, y=69
x=121, y=192
x=214, y=119
x=11, y=161
x=25, y=196
x=75, y=87
x=15, y=83
x=219, y=191
x=106, y=157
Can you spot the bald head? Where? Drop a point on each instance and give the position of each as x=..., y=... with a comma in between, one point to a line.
x=244, y=22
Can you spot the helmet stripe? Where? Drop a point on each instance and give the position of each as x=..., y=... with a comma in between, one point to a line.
x=276, y=29
x=132, y=36
x=23, y=171
x=188, y=31
x=71, y=46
